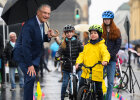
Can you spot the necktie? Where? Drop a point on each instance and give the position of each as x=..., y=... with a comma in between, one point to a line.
x=41, y=28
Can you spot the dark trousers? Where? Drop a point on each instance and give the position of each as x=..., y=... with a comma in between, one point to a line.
x=98, y=87
x=66, y=76
x=28, y=82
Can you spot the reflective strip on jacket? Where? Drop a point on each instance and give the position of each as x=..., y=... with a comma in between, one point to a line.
x=91, y=54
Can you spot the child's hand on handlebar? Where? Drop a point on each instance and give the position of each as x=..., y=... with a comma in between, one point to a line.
x=104, y=63
x=58, y=58
x=76, y=66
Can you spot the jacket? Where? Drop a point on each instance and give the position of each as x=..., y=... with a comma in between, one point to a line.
x=29, y=46
x=113, y=47
x=70, y=53
x=8, y=55
x=91, y=54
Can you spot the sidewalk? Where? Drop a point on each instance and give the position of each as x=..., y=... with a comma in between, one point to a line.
x=52, y=88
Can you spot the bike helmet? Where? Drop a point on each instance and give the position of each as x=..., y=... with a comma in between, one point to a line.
x=97, y=28
x=108, y=14
x=68, y=28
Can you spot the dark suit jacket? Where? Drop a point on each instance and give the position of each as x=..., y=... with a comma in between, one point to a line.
x=29, y=45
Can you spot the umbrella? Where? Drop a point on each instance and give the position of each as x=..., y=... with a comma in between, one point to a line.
x=81, y=27
x=2, y=3
x=135, y=42
x=18, y=11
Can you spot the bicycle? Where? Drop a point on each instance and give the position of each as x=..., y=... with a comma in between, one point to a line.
x=87, y=91
x=120, y=77
x=73, y=83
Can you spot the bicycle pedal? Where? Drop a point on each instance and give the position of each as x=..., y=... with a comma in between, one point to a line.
x=66, y=94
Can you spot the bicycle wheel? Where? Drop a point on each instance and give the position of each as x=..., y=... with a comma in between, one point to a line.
x=74, y=87
x=83, y=93
x=121, y=82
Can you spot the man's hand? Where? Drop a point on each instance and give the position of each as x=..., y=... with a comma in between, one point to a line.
x=49, y=33
x=104, y=63
x=52, y=34
x=31, y=71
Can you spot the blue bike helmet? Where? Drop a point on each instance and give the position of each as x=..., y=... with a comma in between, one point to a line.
x=108, y=14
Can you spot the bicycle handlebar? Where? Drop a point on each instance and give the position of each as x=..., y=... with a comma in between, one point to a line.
x=99, y=62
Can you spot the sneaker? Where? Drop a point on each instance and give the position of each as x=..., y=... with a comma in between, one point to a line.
x=49, y=70
x=12, y=89
x=66, y=94
x=61, y=80
x=21, y=87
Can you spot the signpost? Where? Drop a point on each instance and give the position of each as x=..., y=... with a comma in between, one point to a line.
x=127, y=28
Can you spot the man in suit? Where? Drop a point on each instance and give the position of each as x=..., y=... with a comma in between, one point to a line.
x=29, y=46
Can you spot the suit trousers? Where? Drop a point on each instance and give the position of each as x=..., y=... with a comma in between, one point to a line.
x=28, y=82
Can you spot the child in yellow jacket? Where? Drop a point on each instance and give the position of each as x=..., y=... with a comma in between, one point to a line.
x=93, y=52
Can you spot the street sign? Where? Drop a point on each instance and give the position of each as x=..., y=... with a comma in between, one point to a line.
x=127, y=25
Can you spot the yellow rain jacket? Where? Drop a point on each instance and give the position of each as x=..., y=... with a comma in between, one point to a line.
x=91, y=54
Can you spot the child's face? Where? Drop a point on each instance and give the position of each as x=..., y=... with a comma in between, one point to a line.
x=69, y=34
x=94, y=35
x=107, y=21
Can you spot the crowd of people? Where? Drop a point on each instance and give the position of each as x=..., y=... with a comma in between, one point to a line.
x=28, y=55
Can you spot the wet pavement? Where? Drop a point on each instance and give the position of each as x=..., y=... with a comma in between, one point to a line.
x=52, y=88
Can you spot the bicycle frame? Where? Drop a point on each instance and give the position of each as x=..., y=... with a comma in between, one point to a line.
x=119, y=66
x=91, y=94
x=73, y=73
x=119, y=76
x=71, y=80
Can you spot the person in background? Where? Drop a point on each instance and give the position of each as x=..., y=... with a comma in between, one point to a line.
x=77, y=34
x=12, y=64
x=112, y=36
x=85, y=37
x=137, y=48
x=58, y=41
x=1, y=58
x=54, y=48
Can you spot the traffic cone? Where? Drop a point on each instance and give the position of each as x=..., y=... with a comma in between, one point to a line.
x=113, y=94
x=121, y=98
x=43, y=94
x=39, y=92
x=116, y=95
x=36, y=94
x=39, y=97
x=33, y=97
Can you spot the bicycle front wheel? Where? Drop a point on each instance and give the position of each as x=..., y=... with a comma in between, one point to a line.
x=74, y=87
x=85, y=94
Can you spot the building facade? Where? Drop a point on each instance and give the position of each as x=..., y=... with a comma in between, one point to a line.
x=134, y=19
x=66, y=14
x=120, y=15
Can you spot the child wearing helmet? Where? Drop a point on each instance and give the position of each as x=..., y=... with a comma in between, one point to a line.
x=94, y=51
x=112, y=37
x=69, y=49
